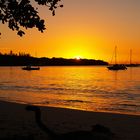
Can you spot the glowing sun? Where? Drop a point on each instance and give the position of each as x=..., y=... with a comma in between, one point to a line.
x=77, y=57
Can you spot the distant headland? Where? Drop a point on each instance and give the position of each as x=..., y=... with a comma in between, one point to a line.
x=23, y=59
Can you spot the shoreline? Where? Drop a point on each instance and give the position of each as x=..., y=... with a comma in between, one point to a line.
x=15, y=121
x=77, y=109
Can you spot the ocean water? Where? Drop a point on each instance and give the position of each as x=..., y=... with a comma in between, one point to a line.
x=91, y=88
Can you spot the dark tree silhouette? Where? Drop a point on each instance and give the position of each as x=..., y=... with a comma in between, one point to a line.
x=20, y=14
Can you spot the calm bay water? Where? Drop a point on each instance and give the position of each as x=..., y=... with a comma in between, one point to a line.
x=84, y=88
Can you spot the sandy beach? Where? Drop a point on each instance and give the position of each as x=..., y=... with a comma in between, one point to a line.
x=18, y=123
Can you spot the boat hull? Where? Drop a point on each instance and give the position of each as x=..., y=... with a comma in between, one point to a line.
x=31, y=68
x=117, y=67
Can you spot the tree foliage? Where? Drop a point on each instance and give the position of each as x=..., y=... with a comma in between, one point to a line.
x=20, y=14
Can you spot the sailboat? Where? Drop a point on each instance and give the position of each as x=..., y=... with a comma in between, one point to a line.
x=117, y=66
x=131, y=64
x=29, y=68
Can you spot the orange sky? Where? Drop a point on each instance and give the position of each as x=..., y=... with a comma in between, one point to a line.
x=85, y=28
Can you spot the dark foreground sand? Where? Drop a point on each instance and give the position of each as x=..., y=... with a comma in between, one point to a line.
x=17, y=123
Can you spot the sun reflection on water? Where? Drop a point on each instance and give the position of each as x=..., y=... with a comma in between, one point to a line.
x=84, y=88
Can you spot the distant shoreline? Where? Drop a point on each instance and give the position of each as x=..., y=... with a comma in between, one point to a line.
x=138, y=65
x=23, y=59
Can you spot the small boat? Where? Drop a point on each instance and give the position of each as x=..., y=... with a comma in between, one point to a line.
x=30, y=68
x=117, y=66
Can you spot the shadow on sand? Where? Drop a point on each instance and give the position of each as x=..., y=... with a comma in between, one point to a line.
x=97, y=132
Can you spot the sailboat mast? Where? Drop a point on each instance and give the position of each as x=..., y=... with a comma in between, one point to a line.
x=115, y=54
x=130, y=56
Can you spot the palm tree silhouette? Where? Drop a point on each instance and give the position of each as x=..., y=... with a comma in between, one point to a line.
x=98, y=131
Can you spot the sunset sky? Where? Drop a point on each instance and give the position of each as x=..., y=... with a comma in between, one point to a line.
x=84, y=28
